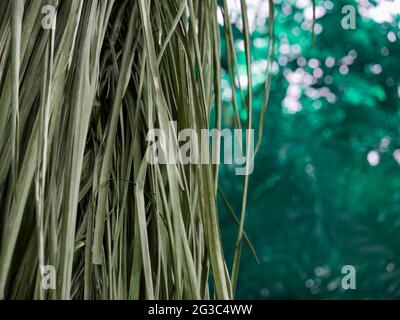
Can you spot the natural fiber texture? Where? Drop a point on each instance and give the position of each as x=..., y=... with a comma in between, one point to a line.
x=76, y=191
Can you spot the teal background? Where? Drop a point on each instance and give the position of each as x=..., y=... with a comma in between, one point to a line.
x=325, y=189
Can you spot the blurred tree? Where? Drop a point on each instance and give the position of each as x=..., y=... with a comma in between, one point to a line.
x=325, y=190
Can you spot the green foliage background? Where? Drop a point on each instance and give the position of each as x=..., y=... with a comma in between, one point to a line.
x=316, y=203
